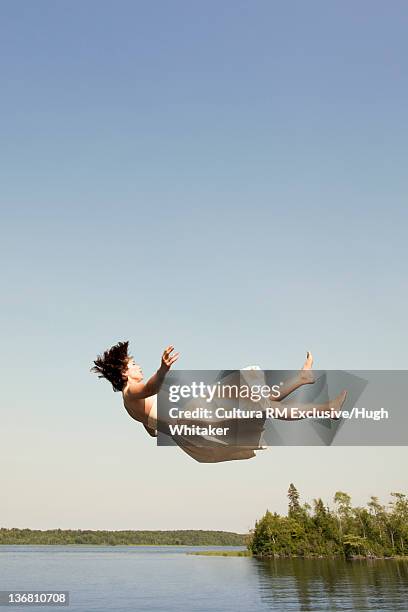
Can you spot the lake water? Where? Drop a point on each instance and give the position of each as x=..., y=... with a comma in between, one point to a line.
x=166, y=579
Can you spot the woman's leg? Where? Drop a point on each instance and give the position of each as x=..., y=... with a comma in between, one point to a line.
x=294, y=411
x=305, y=376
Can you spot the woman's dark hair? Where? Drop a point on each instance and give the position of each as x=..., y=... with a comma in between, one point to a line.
x=113, y=364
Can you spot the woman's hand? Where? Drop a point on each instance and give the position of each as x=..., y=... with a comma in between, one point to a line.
x=168, y=359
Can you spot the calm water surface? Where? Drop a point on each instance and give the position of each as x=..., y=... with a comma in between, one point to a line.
x=166, y=579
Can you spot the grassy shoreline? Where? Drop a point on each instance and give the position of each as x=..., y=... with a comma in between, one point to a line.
x=221, y=553
x=247, y=553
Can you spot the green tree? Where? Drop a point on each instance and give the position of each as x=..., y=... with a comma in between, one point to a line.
x=294, y=503
x=343, y=503
x=399, y=521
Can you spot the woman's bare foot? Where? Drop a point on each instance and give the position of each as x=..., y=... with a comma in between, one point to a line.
x=306, y=373
x=336, y=405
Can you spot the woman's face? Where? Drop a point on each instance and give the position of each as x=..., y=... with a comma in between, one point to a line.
x=134, y=371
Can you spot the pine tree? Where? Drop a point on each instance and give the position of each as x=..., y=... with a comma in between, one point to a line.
x=294, y=504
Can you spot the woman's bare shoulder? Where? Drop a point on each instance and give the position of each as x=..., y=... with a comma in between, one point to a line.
x=135, y=406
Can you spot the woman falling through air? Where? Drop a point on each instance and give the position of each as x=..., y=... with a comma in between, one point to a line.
x=140, y=398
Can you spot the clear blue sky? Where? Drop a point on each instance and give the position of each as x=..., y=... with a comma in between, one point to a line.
x=228, y=177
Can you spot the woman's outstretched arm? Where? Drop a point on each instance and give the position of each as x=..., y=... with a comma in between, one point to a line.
x=141, y=390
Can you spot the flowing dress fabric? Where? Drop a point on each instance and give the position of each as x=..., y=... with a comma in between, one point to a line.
x=243, y=439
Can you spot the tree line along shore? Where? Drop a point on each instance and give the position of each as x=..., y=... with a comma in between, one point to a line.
x=189, y=537
x=308, y=530
x=371, y=531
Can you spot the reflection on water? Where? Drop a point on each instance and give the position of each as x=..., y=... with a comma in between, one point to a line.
x=321, y=584
x=166, y=579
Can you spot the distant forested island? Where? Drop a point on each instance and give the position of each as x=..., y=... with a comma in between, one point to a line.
x=190, y=537
x=318, y=531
